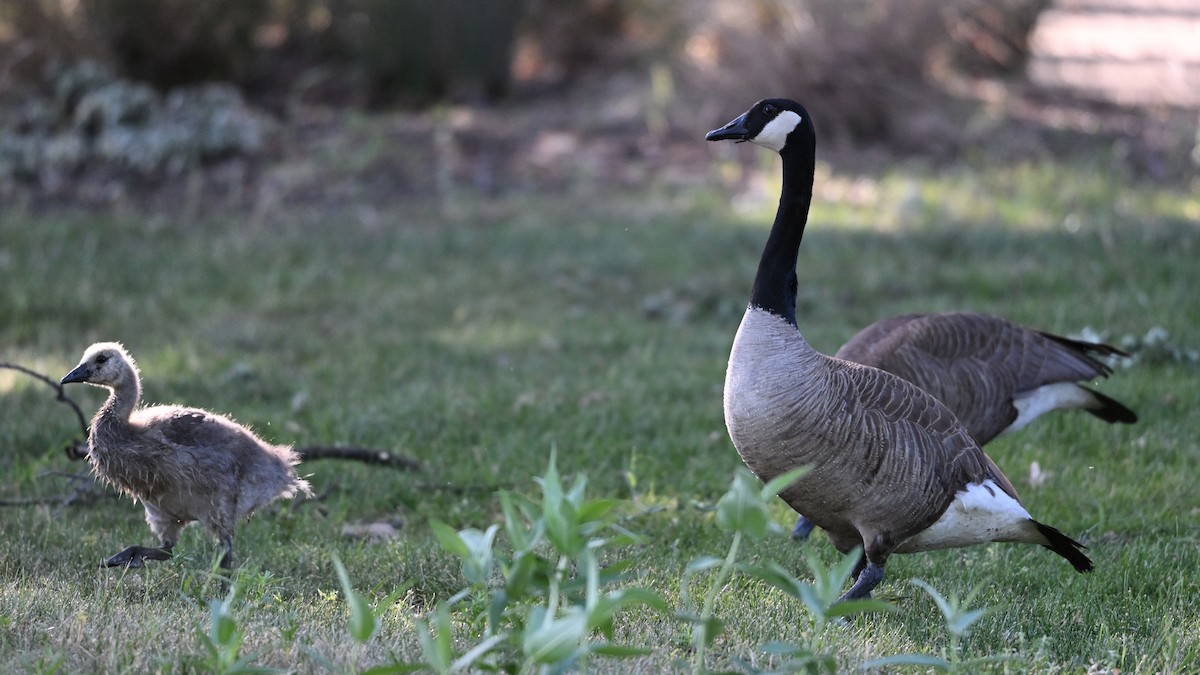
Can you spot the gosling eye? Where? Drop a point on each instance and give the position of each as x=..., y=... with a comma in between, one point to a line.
x=102, y=359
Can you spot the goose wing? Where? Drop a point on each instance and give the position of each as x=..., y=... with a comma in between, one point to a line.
x=973, y=363
x=918, y=453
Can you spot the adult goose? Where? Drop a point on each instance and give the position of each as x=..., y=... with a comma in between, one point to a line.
x=996, y=376
x=183, y=464
x=891, y=469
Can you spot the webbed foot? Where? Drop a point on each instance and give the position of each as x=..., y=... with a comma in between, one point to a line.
x=135, y=556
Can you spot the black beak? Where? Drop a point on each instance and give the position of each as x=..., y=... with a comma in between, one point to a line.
x=735, y=130
x=80, y=374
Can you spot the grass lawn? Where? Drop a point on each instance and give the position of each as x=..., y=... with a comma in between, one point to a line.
x=479, y=342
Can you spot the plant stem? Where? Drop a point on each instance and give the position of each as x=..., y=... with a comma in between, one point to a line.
x=552, y=601
x=701, y=635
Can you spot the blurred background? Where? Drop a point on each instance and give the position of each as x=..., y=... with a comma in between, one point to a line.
x=253, y=102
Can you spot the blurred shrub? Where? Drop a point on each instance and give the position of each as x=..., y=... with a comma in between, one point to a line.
x=417, y=50
x=869, y=71
x=93, y=121
x=169, y=43
x=347, y=51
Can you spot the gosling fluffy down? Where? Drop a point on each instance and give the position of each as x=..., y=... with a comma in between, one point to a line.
x=184, y=464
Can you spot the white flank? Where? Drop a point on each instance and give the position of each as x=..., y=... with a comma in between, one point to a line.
x=1035, y=403
x=774, y=135
x=980, y=513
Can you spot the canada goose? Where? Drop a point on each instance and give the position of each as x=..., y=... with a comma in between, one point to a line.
x=994, y=375
x=184, y=464
x=891, y=469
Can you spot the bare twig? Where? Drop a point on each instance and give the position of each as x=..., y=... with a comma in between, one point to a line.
x=77, y=449
x=364, y=455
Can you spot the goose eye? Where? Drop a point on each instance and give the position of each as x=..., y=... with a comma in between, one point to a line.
x=102, y=359
x=769, y=109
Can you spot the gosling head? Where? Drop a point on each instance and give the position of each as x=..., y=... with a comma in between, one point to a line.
x=774, y=123
x=104, y=364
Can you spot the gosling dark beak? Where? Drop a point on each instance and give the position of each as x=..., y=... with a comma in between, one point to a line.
x=735, y=130
x=80, y=374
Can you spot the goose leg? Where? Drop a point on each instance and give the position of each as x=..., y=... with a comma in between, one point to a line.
x=802, y=529
x=868, y=578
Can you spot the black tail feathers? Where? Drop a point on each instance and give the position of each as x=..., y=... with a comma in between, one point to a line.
x=1109, y=409
x=1065, y=546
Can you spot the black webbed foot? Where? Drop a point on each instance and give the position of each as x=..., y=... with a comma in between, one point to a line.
x=802, y=529
x=135, y=556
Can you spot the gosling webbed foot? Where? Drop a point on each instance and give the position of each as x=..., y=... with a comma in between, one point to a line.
x=802, y=529
x=135, y=556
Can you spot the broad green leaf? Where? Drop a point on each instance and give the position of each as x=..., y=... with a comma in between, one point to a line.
x=702, y=563
x=782, y=481
x=860, y=606
x=741, y=509
x=519, y=535
x=449, y=539
x=597, y=510
x=575, y=495
x=478, y=564
x=960, y=624
x=609, y=605
x=395, y=669
x=551, y=640
x=362, y=623
x=618, y=651
x=473, y=654
x=712, y=628
x=435, y=638
x=941, y=601
x=920, y=660
x=774, y=574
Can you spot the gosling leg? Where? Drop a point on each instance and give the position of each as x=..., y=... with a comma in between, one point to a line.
x=227, y=555
x=135, y=556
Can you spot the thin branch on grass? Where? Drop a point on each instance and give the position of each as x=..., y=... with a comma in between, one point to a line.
x=76, y=450
x=364, y=455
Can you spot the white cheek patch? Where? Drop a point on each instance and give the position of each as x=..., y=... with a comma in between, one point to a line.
x=774, y=135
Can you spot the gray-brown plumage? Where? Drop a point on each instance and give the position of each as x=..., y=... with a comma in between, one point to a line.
x=184, y=464
x=891, y=468
x=996, y=376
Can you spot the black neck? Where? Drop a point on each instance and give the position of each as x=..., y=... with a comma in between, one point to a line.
x=775, y=283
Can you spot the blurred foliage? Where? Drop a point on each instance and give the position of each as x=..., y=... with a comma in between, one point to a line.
x=357, y=52
x=382, y=52
x=871, y=71
x=91, y=120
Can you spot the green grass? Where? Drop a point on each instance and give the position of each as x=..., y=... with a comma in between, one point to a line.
x=477, y=343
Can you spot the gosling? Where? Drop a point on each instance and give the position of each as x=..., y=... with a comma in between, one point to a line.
x=184, y=464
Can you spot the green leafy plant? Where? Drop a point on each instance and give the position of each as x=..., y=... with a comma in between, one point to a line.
x=958, y=620
x=223, y=640
x=537, y=615
x=743, y=512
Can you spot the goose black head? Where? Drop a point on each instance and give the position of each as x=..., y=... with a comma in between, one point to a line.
x=104, y=364
x=772, y=123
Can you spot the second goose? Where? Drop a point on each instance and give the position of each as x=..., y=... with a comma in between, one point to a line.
x=994, y=375
x=892, y=469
